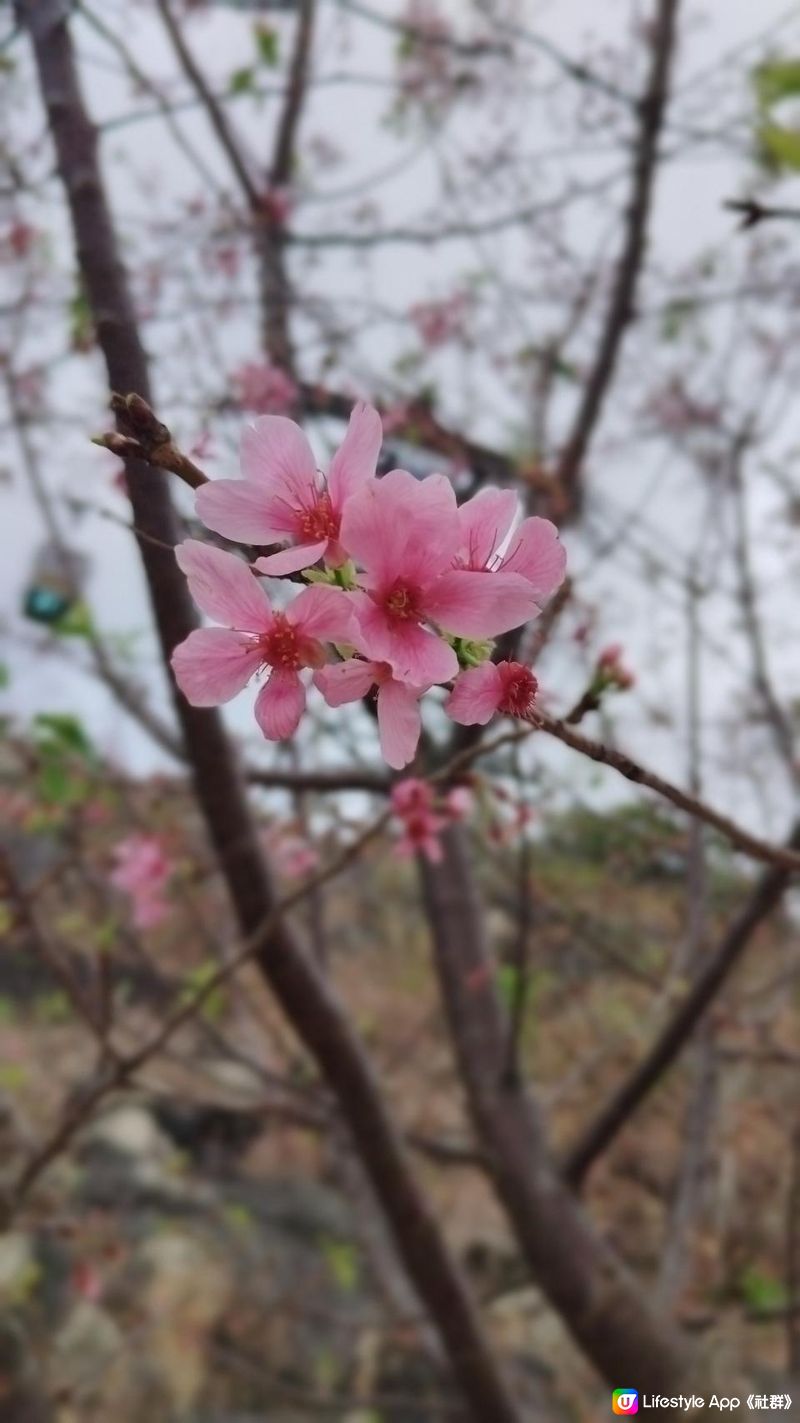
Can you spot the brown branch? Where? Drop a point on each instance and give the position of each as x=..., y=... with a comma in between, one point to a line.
x=652, y=111
x=677, y=1031
x=214, y=109
x=599, y=1303
x=787, y=859
x=307, y=999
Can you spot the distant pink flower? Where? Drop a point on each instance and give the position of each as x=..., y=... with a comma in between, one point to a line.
x=292, y=854
x=459, y=803
x=264, y=388
x=406, y=535
x=141, y=870
x=413, y=804
x=277, y=205
x=399, y=720
x=438, y=322
x=213, y=664
x=534, y=549
x=283, y=497
x=613, y=671
x=19, y=238
x=480, y=692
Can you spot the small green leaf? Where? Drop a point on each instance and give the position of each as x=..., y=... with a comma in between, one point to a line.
x=195, y=982
x=66, y=730
x=242, y=80
x=267, y=44
x=780, y=147
x=342, y=1261
x=777, y=79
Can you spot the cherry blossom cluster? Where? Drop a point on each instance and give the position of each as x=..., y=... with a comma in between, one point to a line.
x=142, y=870
x=406, y=590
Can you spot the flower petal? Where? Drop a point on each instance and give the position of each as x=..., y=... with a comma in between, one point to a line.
x=323, y=612
x=223, y=586
x=484, y=522
x=535, y=551
x=277, y=457
x=343, y=682
x=414, y=655
x=356, y=459
x=399, y=724
x=472, y=604
x=402, y=527
x=280, y=705
x=291, y=560
x=475, y=696
x=241, y=510
x=212, y=664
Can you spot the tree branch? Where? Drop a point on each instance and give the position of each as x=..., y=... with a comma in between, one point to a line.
x=677, y=1031
x=652, y=111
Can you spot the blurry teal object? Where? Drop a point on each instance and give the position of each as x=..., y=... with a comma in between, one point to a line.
x=55, y=584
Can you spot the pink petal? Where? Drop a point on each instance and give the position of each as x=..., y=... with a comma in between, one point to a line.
x=475, y=696
x=400, y=526
x=323, y=612
x=213, y=664
x=223, y=586
x=291, y=560
x=399, y=724
x=536, y=552
x=343, y=682
x=277, y=457
x=484, y=522
x=280, y=705
x=244, y=511
x=472, y=604
x=415, y=655
x=356, y=459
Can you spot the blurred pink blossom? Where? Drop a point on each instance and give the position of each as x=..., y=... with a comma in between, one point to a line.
x=413, y=804
x=438, y=322
x=264, y=388
x=141, y=870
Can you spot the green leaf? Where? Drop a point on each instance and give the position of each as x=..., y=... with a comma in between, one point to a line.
x=777, y=79
x=508, y=983
x=195, y=982
x=66, y=730
x=760, y=1291
x=76, y=622
x=242, y=80
x=5, y=676
x=267, y=44
x=342, y=1261
x=780, y=147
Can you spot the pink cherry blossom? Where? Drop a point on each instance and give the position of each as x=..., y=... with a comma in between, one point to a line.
x=405, y=534
x=213, y=664
x=459, y=803
x=291, y=852
x=413, y=804
x=533, y=548
x=283, y=497
x=505, y=687
x=440, y=321
x=613, y=670
x=264, y=388
x=399, y=720
x=141, y=870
